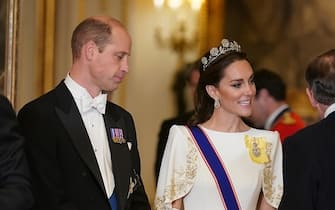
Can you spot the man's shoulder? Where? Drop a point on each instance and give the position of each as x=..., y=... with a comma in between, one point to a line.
x=287, y=124
x=47, y=101
x=115, y=108
x=307, y=135
x=41, y=100
x=4, y=102
x=291, y=118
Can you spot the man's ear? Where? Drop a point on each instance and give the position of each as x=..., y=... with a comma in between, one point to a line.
x=311, y=98
x=211, y=91
x=265, y=97
x=89, y=50
x=263, y=93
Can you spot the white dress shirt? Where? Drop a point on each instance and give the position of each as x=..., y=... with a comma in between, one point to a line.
x=95, y=126
x=269, y=122
x=329, y=110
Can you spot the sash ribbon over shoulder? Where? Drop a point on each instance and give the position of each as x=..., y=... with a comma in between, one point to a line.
x=216, y=168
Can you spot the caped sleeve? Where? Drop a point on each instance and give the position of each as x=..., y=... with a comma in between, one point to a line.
x=272, y=178
x=178, y=168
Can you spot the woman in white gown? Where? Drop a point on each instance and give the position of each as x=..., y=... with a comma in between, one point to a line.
x=219, y=162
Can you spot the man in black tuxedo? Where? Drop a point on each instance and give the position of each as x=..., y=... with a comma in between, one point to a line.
x=82, y=148
x=15, y=187
x=309, y=168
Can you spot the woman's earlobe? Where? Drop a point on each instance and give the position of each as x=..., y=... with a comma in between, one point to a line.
x=210, y=89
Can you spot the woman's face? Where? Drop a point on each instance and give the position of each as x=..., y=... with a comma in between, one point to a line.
x=237, y=89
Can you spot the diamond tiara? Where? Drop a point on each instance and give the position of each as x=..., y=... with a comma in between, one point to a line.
x=226, y=46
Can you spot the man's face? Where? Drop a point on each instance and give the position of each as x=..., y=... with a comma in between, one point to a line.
x=258, y=115
x=110, y=66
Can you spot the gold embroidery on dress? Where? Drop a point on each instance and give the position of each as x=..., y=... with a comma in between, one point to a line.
x=183, y=177
x=259, y=150
x=271, y=192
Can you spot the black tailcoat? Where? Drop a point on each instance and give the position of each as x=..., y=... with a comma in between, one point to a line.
x=65, y=171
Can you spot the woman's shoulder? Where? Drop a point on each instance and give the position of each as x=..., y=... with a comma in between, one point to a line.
x=178, y=128
x=180, y=133
x=270, y=135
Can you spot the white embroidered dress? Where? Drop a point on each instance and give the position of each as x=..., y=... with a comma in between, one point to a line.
x=184, y=173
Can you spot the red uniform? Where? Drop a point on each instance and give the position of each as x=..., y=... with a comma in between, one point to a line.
x=287, y=124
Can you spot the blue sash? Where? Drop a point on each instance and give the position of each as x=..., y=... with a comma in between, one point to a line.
x=113, y=201
x=217, y=170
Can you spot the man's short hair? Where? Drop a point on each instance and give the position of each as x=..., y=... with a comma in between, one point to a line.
x=320, y=76
x=90, y=29
x=272, y=82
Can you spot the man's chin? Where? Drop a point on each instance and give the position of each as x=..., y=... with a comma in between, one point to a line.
x=111, y=89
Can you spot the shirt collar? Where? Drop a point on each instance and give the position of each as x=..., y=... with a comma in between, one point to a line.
x=77, y=91
x=329, y=110
x=273, y=116
x=81, y=95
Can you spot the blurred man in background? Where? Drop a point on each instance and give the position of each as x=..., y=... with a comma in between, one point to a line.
x=270, y=109
x=184, y=86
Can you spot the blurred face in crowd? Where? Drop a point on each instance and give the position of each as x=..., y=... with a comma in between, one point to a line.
x=259, y=116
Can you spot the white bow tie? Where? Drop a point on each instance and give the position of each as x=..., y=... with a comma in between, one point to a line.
x=98, y=103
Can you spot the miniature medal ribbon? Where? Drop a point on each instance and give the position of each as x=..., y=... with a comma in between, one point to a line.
x=117, y=135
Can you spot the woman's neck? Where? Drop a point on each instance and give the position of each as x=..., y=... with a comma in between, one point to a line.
x=225, y=123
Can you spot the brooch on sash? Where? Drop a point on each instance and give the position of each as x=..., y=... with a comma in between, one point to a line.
x=257, y=148
x=117, y=135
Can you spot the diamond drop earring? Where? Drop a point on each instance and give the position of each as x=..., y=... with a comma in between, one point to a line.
x=216, y=103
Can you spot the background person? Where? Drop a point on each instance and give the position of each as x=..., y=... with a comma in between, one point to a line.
x=219, y=162
x=309, y=168
x=82, y=148
x=184, y=86
x=270, y=109
x=15, y=186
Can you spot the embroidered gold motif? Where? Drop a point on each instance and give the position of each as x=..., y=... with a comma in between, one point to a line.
x=257, y=147
x=183, y=178
x=271, y=192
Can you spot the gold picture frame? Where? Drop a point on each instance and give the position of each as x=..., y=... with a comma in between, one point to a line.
x=8, y=74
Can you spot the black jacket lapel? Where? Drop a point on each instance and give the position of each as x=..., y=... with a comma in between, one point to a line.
x=69, y=115
x=121, y=162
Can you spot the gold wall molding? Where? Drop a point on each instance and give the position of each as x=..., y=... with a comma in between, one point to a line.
x=11, y=49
